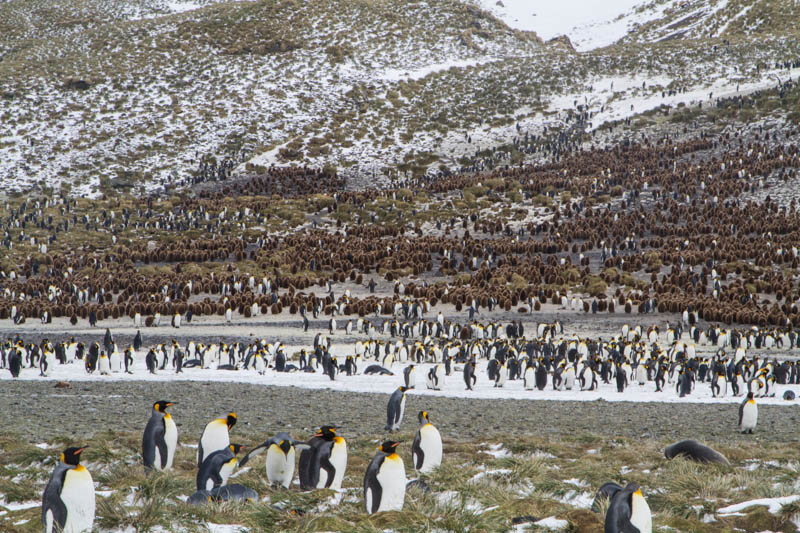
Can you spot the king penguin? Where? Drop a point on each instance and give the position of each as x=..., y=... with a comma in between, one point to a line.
x=323, y=463
x=395, y=408
x=469, y=375
x=160, y=438
x=385, y=480
x=628, y=512
x=426, y=451
x=215, y=436
x=218, y=467
x=748, y=414
x=68, y=500
x=280, y=458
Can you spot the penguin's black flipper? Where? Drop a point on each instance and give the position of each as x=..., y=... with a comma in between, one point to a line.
x=161, y=443
x=416, y=452
x=53, y=504
x=606, y=492
x=305, y=468
x=325, y=464
x=257, y=450
x=377, y=491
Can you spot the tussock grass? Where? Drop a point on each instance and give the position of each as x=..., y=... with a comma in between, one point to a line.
x=471, y=491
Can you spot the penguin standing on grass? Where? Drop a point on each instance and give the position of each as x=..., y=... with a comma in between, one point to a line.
x=323, y=462
x=215, y=436
x=280, y=458
x=395, y=408
x=160, y=439
x=385, y=480
x=218, y=467
x=426, y=451
x=68, y=503
x=628, y=512
x=748, y=414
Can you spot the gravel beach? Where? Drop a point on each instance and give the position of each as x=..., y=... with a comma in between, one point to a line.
x=38, y=411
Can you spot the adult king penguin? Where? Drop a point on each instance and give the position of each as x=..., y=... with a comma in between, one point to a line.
x=426, y=451
x=160, y=438
x=323, y=463
x=628, y=512
x=280, y=458
x=215, y=436
x=748, y=414
x=395, y=408
x=68, y=500
x=218, y=467
x=385, y=480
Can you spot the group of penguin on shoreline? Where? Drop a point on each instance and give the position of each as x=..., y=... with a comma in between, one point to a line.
x=567, y=362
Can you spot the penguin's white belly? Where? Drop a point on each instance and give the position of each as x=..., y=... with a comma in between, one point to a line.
x=641, y=375
x=225, y=472
x=50, y=359
x=280, y=467
x=115, y=362
x=402, y=411
x=171, y=438
x=569, y=380
x=640, y=514
x=430, y=441
x=392, y=478
x=339, y=461
x=529, y=378
x=77, y=493
x=214, y=438
x=104, y=366
x=749, y=416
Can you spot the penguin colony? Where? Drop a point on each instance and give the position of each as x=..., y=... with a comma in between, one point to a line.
x=68, y=500
x=724, y=363
x=653, y=227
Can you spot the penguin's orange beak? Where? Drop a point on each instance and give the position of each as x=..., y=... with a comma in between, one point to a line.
x=79, y=450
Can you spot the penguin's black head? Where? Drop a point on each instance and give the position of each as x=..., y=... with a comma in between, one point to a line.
x=236, y=448
x=285, y=445
x=326, y=432
x=161, y=406
x=403, y=388
x=72, y=456
x=423, y=417
x=750, y=395
x=231, y=420
x=390, y=446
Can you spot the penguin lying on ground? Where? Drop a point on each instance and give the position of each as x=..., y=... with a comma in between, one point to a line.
x=233, y=492
x=377, y=369
x=693, y=450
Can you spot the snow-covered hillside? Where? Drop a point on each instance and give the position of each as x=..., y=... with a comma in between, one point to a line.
x=128, y=93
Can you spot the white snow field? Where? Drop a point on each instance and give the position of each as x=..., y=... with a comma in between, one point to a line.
x=453, y=385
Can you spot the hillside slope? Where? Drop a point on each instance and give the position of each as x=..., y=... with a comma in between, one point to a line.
x=131, y=94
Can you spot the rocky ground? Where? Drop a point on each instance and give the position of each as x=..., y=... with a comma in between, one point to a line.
x=37, y=411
